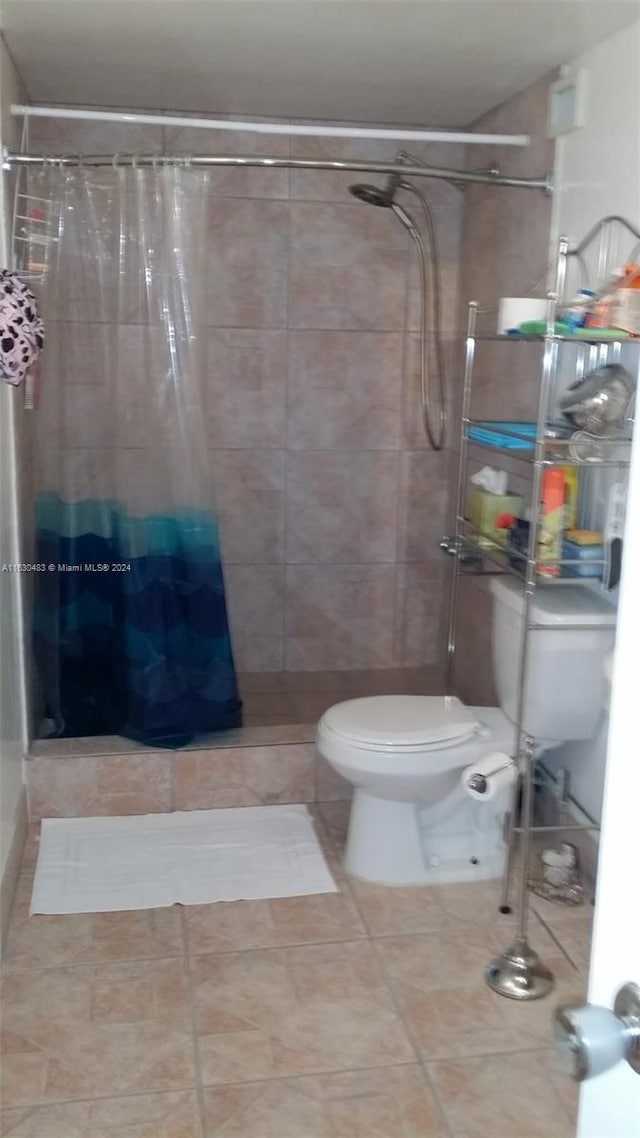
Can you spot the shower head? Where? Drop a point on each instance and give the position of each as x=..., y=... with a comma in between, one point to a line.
x=372, y=195
x=376, y=195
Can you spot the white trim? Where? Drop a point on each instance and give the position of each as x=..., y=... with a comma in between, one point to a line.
x=322, y=131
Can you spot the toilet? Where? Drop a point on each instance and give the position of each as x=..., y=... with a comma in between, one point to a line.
x=412, y=821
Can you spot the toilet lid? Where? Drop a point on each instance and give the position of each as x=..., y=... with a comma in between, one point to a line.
x=406, y=722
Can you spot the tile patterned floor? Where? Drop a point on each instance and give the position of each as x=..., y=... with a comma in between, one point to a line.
x=356, y=1015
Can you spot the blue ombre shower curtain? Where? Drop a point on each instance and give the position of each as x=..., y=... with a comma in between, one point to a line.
x=131, y=634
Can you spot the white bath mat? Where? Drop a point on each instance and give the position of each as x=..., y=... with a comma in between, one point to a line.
x=194, y=857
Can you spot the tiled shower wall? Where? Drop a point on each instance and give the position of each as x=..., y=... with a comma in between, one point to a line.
x=331, y=503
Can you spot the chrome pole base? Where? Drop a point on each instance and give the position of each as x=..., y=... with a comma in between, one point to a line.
x=519, y=974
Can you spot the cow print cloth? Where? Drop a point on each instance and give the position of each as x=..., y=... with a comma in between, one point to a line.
x=21, y=328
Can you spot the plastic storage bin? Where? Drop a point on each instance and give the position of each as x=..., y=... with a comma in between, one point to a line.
x=485, y=509
x=589, y=553
x=496, y=434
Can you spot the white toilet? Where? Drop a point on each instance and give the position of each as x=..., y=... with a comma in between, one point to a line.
x=412, y=822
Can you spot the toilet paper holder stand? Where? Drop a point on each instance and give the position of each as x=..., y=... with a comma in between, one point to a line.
x=479, y=782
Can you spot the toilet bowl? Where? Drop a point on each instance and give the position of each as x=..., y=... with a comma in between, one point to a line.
x=411, y=822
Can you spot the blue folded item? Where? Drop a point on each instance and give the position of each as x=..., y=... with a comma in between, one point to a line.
x=495, y=434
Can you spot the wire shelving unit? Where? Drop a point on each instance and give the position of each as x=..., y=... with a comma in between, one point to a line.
x=518, y=972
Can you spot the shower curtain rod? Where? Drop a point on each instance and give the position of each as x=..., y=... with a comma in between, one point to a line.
x=308, y=130
x=414, y=170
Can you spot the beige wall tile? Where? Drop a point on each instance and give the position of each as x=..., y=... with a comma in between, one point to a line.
x=341, y=506
x=255, y=598
x=413, y=431
x=344, y=390
x=423, y=503
x=329, y=785
x=245, y=377
x=229, y=181
x=73, y=136
x=245, y=276
x=473, y=672
x=85, y=785
x=419, y=630
x=249, y=493
x=337, y=251
x=332, y=185
x=243, y=776
x=339, y=616
x=279, y=774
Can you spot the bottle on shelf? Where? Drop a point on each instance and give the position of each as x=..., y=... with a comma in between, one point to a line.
x=552, y=522
x=572, y=489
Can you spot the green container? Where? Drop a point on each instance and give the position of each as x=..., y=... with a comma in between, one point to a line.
x=484, y=511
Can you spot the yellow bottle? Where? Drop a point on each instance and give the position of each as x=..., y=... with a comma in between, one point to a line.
x=572, y=488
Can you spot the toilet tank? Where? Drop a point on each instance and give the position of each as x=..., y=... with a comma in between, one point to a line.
x=574, y=630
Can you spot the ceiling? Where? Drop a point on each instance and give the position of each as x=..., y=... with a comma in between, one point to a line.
x=433, y=62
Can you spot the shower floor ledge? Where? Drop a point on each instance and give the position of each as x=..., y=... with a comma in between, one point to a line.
x=253, y=736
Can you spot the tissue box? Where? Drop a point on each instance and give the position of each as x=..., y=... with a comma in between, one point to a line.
x=484, y=511
x=626, y=310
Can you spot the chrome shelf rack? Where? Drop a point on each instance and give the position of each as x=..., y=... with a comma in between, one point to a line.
x=518, y=973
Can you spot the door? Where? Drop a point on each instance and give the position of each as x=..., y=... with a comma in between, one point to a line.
x=610, y=1103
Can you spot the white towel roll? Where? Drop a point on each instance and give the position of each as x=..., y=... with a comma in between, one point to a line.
x=514, y=310
x=495, y=782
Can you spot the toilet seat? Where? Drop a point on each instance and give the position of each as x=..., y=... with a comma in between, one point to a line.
x=402, y=723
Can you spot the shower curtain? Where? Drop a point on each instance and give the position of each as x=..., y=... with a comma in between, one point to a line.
x=131, y=634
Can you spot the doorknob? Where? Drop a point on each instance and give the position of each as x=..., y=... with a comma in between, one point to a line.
x=590, y=1039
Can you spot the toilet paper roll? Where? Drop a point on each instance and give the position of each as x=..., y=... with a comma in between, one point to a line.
x=497, y=769
x=514, y=310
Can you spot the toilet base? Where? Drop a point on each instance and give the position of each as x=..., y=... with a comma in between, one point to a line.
x=391, y=843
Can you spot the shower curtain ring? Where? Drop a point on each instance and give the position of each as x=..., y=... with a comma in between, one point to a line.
x=114, y=161
x=67, y=170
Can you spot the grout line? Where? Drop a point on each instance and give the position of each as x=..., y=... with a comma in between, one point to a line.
x=43, y=1104
x=408, y=1031
x=311, y=1075
x=437, y=1098
x=192, y=1013
x=557, y=940
x=327, y=1071
x=549, y=1048
x=390, y=987
x=191, y=1088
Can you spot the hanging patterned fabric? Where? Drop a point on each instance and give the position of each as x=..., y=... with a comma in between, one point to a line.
x=21, y=328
